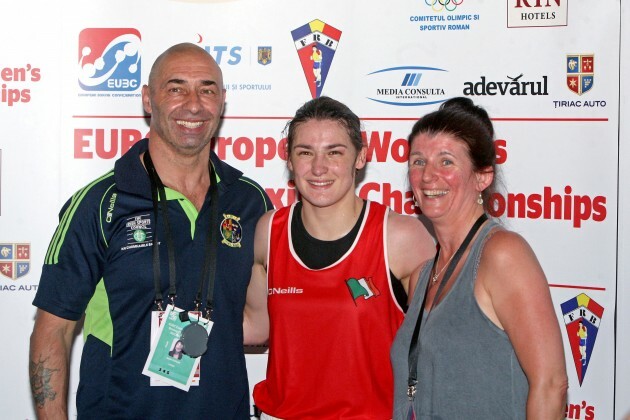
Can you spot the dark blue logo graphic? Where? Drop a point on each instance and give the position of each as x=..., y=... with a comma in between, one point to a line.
x=390, y=90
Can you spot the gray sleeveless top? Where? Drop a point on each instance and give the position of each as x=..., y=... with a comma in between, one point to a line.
x=467, y=368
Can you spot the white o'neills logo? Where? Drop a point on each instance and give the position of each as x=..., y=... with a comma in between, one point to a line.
x=285, y=291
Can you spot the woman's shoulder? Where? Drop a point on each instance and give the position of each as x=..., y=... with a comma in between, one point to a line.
x=508, y=251
x=402, y=223
x=502, y=242
x=268, y=216
x=405, y=231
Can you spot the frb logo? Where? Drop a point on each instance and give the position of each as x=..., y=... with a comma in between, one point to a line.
x=316, y=44
x=109, y=59
x=582, y=317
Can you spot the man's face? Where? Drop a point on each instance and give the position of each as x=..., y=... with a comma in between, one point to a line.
x=185, y=99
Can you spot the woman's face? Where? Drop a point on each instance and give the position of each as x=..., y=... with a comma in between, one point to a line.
x=179, y=346
x=442, y=177
x=324, y=163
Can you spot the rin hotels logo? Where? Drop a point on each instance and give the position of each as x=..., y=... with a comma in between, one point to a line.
x=109, y=59
x=537, y=13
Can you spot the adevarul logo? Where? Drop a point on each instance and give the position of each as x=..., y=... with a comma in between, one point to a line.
x=109, y=59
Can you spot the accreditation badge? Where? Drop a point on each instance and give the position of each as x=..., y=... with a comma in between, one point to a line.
x=167, y=363
x=156, y=321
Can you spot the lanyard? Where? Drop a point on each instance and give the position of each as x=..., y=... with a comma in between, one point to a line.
x=210, y=254
x=414, y=349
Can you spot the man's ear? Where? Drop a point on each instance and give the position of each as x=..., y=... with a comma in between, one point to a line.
x=146, y=99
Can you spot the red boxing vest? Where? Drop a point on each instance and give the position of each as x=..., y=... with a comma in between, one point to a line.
x=331, y=329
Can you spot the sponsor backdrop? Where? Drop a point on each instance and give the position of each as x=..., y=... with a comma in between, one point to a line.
x=548, y=72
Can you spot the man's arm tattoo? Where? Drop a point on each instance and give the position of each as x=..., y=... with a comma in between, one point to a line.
x=40, y=377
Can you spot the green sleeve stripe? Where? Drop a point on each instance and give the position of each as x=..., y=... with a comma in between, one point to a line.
x=101, y=219
x=260, y=190
x=52, y=256
x=58, y=230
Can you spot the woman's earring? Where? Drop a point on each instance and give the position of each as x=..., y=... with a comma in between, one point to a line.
x=415, y=202
x=480, y=200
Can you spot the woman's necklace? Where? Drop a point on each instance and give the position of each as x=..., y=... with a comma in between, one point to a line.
x=437, y=273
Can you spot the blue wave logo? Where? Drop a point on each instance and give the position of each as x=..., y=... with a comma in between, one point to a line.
x=400, y=86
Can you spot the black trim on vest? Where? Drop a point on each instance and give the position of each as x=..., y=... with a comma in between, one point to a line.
x=317, y=254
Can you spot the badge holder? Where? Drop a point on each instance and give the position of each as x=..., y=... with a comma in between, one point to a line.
x=165, y=363
x=194, y=335
x=157, y=318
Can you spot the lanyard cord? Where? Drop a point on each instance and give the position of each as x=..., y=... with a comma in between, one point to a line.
x=414, y=350
x=158, y=188
x=210, y=257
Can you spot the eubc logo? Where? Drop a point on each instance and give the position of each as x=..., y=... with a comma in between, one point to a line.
x=109, y=59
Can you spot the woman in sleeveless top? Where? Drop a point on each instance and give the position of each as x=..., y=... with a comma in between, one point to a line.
x=480, y=339
x=323, y=283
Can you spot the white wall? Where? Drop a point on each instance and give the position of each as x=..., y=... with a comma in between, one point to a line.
x=622, y=402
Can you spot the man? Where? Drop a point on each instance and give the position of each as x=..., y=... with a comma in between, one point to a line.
x=101, y=261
